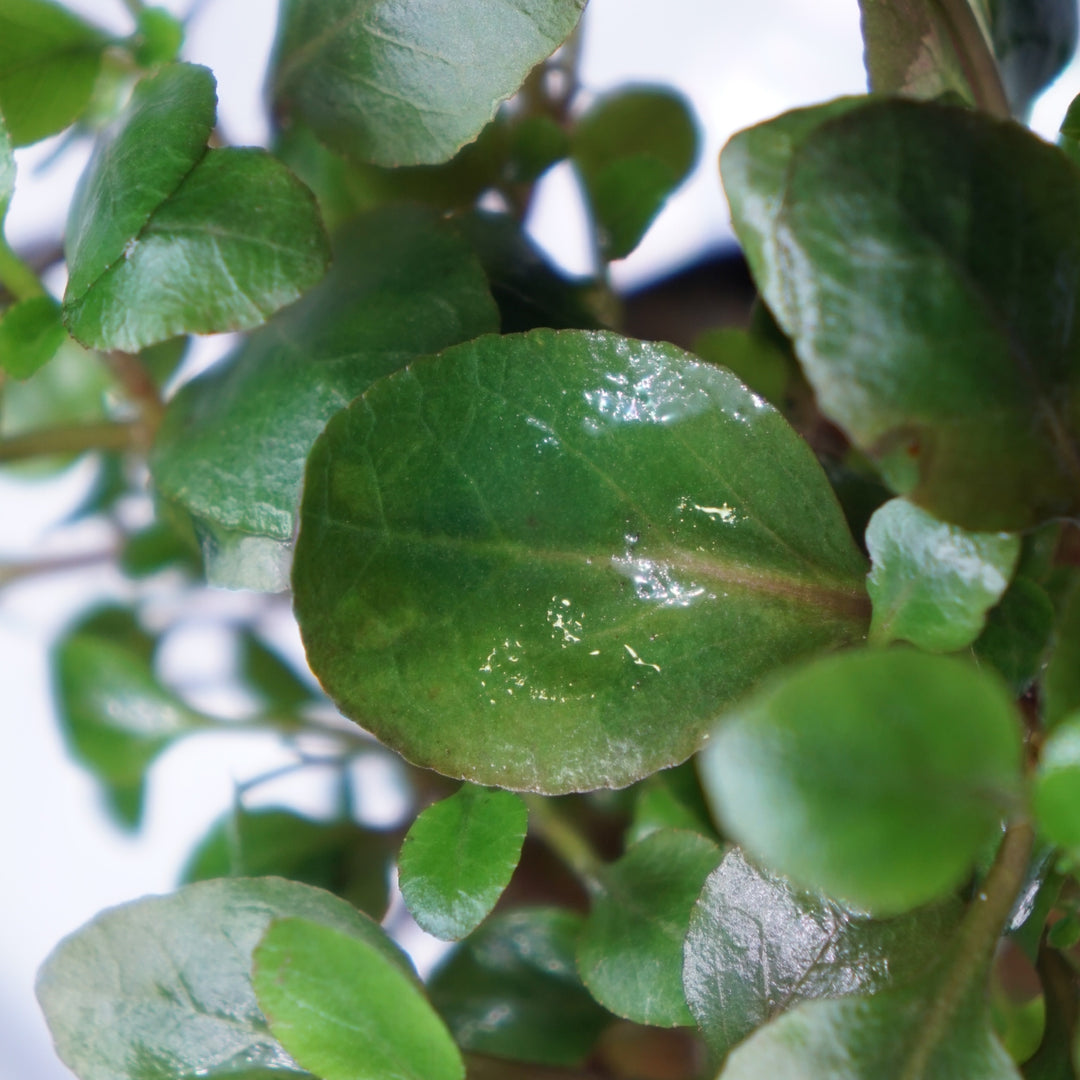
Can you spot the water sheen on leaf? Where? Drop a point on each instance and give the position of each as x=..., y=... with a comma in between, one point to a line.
x=915, y=300
x=630, y=953
x=904, y=762
x=160, y=989
x=547, y=561
x=758, y=946
x=409, y=84
x=458, y=857
x=232, y=448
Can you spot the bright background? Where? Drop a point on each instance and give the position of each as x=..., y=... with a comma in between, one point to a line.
x=61, y=860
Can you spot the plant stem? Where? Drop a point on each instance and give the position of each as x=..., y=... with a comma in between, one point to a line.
x=10, y=572
x=973, y=52
x=140, y=388
x=135, y=7
x=76, y=439
x=565, y=839
x=16, y=277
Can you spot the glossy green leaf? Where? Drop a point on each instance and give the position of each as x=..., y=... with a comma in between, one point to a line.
x=1057, y=785
x=512, y=990
x=237, y=240
x=341, y=1008
x=545, y=561
x=161, y=988
x=232, y=448
x=931, y=583
x=757, y=946
x=337, y=856
x=632, y=149
x=630, y=953
x=458, y=858
x=49, y=61
x=905, y=762
x=1061, y=682
x=31, y=332
x=891, y=1036
x=408, y=85
x=670, y=799
x=871, y=218
x=115, y=714
x=1017, y=633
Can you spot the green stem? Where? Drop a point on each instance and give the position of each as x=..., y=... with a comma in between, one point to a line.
x=975, y=56
x=76, y=439
x=16, y=277
x=565, y=839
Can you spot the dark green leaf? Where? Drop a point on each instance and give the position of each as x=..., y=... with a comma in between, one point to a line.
x=906, y=762
x=1061, y=682
x=670, y=799
x=409, y=86
x=340, y=1007
x=49, y=61
x=163, y=359
x=544, y=561
x=1017, y=633
x=632, y=150
x=536, y=143
x=1070, y=130
x=31, y=332
x=1057, y=785
x=962, y=401
x=233, y=444
x=756, y=360
x=272, y=678
x=337, y=856
x=931, y=583
x=156, y=548
x=512, y=990
x=757, y=946
x=630, y=953
x=458, y=858
x=161, y=989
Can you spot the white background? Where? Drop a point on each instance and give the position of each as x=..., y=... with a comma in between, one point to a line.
x=61, y=861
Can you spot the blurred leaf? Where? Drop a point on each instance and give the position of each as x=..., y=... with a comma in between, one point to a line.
x=49, y=61
x=537, y=142
x=1017, y=633
x=1056, y=794
x=879, y=219
x=397, y=86
x=669, y=799
x=340, y=1007
x=755, y=360
x=459, y=856
x=541, y=587
x=274, y=680
x=233, y=444
x=630, y=952
x=757, y=947
x=161, y=989
x=907, y=762
x=512, y=990
x=31, y=332
x=337, y=856
x=632, y=149
x=156, y=548
x=159, y=37
x=7, y=169
x=1061, y=681
x=163, y=359
x=931, y=583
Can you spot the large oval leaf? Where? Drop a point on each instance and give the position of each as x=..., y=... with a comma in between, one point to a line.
x=917, y=302
x=409, y=84
x=546, y=561
x=161, y=988
x=876, y=777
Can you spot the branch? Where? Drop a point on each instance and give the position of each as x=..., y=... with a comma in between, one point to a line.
x=76, y=439
x=10, y=572
x=977, y=60
x=565, y=839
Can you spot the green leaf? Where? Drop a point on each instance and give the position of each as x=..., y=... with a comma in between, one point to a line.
x=156, y=548
x=630, y=953
x=115, y=714
x=872, y=217
x=7, y=169
x=274, y=680
x=632, y=149
x=340, y=1007
x=233, y=444
x=891, y=1036
x=399, y=86
x=337, y=856
x=754, y=359
x=1017, y=633
x=1061, y=681
x=512, y=990
x=161, y=989
x=554, y=556
x=240, y=238
x=670, y=799
x=757, y=946
x=1056, y=794
x=458, y=858
x=159, y=37
x=931, y=583
x=49, y=61
x=31, y=333
x=907, y=762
